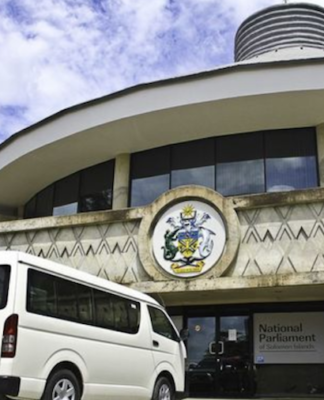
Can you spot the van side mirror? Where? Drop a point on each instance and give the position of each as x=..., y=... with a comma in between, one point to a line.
x=184, y=334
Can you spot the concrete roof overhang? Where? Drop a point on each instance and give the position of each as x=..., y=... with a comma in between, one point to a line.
x=234, y=99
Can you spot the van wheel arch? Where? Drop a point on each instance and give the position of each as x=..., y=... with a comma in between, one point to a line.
x=162, y=376
x=71, y=367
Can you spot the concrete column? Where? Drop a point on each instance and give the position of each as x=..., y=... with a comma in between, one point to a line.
x=121, y=181
x=320, y=153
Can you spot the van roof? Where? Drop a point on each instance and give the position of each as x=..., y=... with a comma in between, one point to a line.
x=59, y=269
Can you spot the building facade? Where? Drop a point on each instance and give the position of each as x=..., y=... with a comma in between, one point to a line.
x=205, y=191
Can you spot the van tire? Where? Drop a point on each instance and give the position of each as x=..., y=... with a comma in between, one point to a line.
x=62, y=380
x=163, y=390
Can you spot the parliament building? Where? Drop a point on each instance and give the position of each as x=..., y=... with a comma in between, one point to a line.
x=207, y=193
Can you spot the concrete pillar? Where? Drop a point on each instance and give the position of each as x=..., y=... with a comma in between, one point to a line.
x=121, y=181
x=320, y=153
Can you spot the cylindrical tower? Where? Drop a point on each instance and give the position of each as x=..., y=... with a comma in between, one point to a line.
x=280, y=27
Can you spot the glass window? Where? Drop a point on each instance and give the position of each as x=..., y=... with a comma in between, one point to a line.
x=120, y=307
x=67, y=209
x=96, y=187
x=161, y=324
x=150, y=175
x=240, y=164
x=41, y=293
x=66, y=195
x=44, y=202
x=104, y=311
x=30, y=208
x=193, y=163
x=4, y=284
x=290, y=159
x=117, y=313
x=85, y=308
x=66, y=299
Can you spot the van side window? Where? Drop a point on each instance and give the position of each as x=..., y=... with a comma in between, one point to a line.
x=161, y=324
x=103, y=310
x=41, y=294
x=64, y=299
x=4, y=284
x=115, y=312
x=66, y=293
x=85, y=304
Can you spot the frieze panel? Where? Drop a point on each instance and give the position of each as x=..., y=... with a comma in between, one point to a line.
x=281, y=240
x=272, y=240
x=106, y=250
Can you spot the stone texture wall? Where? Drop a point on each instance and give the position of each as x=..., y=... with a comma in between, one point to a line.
x=281, y=240
x=275, y=239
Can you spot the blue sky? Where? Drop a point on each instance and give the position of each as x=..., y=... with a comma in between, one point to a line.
x=58, y=53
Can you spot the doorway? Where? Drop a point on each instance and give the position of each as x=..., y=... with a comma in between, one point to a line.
x=220, y=356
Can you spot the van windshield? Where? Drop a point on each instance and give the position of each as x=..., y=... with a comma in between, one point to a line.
x=4, y=284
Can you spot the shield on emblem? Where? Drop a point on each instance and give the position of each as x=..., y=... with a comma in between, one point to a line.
x=188, y=243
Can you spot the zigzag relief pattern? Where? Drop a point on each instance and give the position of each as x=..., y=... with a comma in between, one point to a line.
x=109, y=251
x=281, y=240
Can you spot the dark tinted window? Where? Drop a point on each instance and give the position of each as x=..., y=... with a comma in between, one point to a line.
x=85, y=304
x=41, y=293
x=96, y=187
x=193, y=163
x=244, y=163
x=87, y=190
x=30, y=208
x=44, y=202
x=66, y=294
x=103, y=310
x=150, y=175
x=115, y=312
x=66, y=195
x=161, y=324
x=290, y=159
x=63, y=299
x=240, y=164
x=4, y=284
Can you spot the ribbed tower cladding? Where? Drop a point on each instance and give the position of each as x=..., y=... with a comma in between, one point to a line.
x=280, y=27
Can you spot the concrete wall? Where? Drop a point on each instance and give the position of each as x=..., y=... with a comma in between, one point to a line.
x=281, y=242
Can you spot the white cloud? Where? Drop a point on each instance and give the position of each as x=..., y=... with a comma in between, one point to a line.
x=56, y=53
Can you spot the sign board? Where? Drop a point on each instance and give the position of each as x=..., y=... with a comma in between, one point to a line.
x=289, y=338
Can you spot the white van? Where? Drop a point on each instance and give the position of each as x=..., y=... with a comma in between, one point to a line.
x=69, y=335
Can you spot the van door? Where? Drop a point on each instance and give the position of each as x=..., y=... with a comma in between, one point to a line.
x=167, y=346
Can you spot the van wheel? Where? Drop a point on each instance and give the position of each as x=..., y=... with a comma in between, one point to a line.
x=163, y=390
x=62, y=385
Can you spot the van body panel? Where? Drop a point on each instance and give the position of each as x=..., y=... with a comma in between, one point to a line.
x=30, y=388
x=99, y=392
x=112, y=363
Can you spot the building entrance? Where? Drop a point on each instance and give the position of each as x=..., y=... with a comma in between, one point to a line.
x=220, y=356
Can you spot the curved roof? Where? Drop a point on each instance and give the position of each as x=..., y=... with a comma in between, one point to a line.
x=232, y=99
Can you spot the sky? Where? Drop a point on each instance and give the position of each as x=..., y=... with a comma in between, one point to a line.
x=58, y=53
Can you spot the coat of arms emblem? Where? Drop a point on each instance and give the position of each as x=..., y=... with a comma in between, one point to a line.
x=188, y=243
x=189, y=239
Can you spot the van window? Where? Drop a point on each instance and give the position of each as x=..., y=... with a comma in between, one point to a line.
x=4, y=284
x=41, y=294
x=161, y=324
x=61, y=298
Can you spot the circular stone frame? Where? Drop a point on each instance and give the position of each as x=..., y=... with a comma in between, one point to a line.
x=152, y=213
